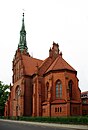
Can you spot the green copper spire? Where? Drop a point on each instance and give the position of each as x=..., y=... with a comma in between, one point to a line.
x=22, y=43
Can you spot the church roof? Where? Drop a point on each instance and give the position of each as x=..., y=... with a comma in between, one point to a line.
x=60, y=64
x=30, y=64
x=45, y=65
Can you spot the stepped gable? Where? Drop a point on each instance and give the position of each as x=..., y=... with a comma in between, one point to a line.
x=30, y=64
x=53, y=54
x=60, y=64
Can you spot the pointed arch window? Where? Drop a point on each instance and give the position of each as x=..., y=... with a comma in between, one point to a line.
x=58, y=89
x=46, y=90
x=70, y=85
x=17, y=93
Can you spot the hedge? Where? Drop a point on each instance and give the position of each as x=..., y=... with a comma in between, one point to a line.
x=61, y=120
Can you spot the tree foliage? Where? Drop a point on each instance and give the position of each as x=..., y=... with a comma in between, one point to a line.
x=4, y=93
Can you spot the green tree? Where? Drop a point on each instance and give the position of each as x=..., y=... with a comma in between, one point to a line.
x=4, y=93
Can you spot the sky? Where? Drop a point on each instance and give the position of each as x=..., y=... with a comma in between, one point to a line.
x=62, y=21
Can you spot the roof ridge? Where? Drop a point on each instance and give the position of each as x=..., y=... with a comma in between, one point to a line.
x=50, y=65
x=55, y=61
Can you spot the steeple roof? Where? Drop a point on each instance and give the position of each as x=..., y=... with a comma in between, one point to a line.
x=22, y=43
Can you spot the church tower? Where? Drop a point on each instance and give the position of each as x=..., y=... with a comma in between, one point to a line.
x=21, y=91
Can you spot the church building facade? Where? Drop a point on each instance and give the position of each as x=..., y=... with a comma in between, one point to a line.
x=42, y=87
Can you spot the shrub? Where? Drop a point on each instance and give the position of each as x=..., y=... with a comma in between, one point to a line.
x=64, y=120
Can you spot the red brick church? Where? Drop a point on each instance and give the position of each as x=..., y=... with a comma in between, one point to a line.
x=42, y=87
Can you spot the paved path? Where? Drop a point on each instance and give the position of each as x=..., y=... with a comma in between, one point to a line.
x=64, y=126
